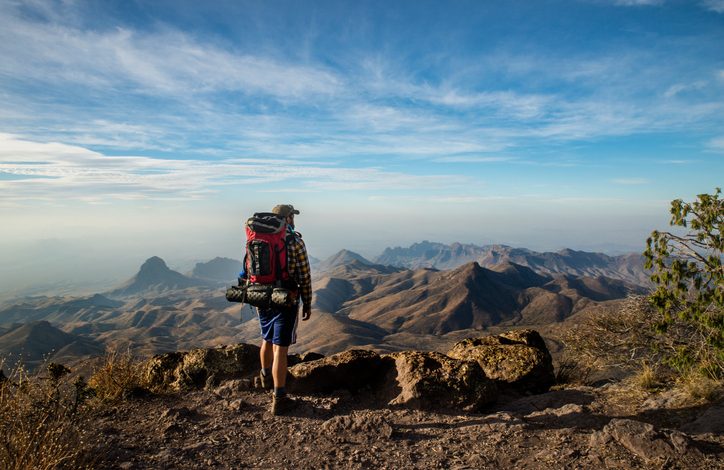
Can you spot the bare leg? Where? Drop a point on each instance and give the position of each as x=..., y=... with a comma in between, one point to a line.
x=279, y=368
x=266, y=355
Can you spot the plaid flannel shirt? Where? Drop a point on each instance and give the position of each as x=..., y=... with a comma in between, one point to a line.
x=298, y=263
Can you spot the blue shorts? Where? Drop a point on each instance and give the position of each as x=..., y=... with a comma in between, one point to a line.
x=279, y=326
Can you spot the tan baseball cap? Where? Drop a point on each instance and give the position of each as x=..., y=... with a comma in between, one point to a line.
x=285, y=210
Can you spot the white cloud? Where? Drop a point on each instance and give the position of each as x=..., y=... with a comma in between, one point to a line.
x=716, y=144
x=676, y=89
x=45, y=171
x=714, y=5
x=472, y=159
x=679, y=162
x=167, y=62
x=516, y=105
x=630, y=3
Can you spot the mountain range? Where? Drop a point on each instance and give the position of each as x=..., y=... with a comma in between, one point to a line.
x=628, y=267
x=357, y=303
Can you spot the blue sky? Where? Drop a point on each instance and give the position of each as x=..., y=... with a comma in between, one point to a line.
x=155, y=128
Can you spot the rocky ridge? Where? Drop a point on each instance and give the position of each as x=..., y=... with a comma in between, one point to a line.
x=359, y=409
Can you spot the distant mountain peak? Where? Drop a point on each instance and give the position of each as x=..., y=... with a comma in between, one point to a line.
x=218, y=269
x=154, y=264
x=154, y=274
x=343, y=257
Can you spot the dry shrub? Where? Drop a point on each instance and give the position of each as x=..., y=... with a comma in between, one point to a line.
x=119, y=376
x=647, y=378
x=629, y=338
x=42, y=421
x=700, y=387
x=624, y=338
x=570, y=370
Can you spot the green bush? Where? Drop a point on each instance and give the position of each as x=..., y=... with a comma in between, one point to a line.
x=689, y=278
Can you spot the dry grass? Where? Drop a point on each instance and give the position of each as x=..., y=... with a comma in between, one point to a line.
x=119, y=376
x=700, y=387
x=43, y=418
x=623, y=338
x=42, y=421
x=647, y=378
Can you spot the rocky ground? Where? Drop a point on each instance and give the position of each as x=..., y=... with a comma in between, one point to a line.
x=228, y=426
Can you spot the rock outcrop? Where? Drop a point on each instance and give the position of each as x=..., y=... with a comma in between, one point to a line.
x=192, y=369
x=411, y=379
x=466, y=380
x=350, y=370
x=430, y=380
x=517, y=360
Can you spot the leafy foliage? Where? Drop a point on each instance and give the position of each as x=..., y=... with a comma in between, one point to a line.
x=689, y=277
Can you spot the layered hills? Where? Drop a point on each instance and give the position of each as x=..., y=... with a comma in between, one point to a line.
x=357, y=302
x=35, y=342
x=473, y=297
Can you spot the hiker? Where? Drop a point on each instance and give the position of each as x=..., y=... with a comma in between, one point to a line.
x=279, y=324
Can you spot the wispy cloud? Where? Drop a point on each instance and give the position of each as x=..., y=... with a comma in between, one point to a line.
x=167, y=62
x=678, y=88
x=714, y=5
x=47, y=170
x=632, y=3
x=165, y=90
x=472, y=159
x=716, y=144
x=678, y=162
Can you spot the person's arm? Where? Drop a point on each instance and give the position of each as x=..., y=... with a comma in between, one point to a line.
x=304, y=278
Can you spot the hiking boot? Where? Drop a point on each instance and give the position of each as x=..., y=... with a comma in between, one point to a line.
x=281, y=405
x=264, y=382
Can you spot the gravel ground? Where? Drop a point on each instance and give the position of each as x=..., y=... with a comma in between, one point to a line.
x=612, y=426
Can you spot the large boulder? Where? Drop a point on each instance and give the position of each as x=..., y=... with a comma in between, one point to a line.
x=349, y=370
x=192, y=369
x=517, y=360
x=430, y=380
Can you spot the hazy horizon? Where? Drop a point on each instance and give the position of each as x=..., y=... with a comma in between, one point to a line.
x=134, y=129
x=87, y=271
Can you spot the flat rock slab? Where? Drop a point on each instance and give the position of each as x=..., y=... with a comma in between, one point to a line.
x=358, y=427
x=652, y=446
x=710, y=422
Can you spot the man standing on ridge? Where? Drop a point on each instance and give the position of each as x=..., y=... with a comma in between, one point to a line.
x=279, y=325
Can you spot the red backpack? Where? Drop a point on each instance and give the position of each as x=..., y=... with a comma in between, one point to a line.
x=265, y=261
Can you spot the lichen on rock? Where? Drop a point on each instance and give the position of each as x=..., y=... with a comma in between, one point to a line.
x=186, y=370
x=430, y=380
x=517, y=359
